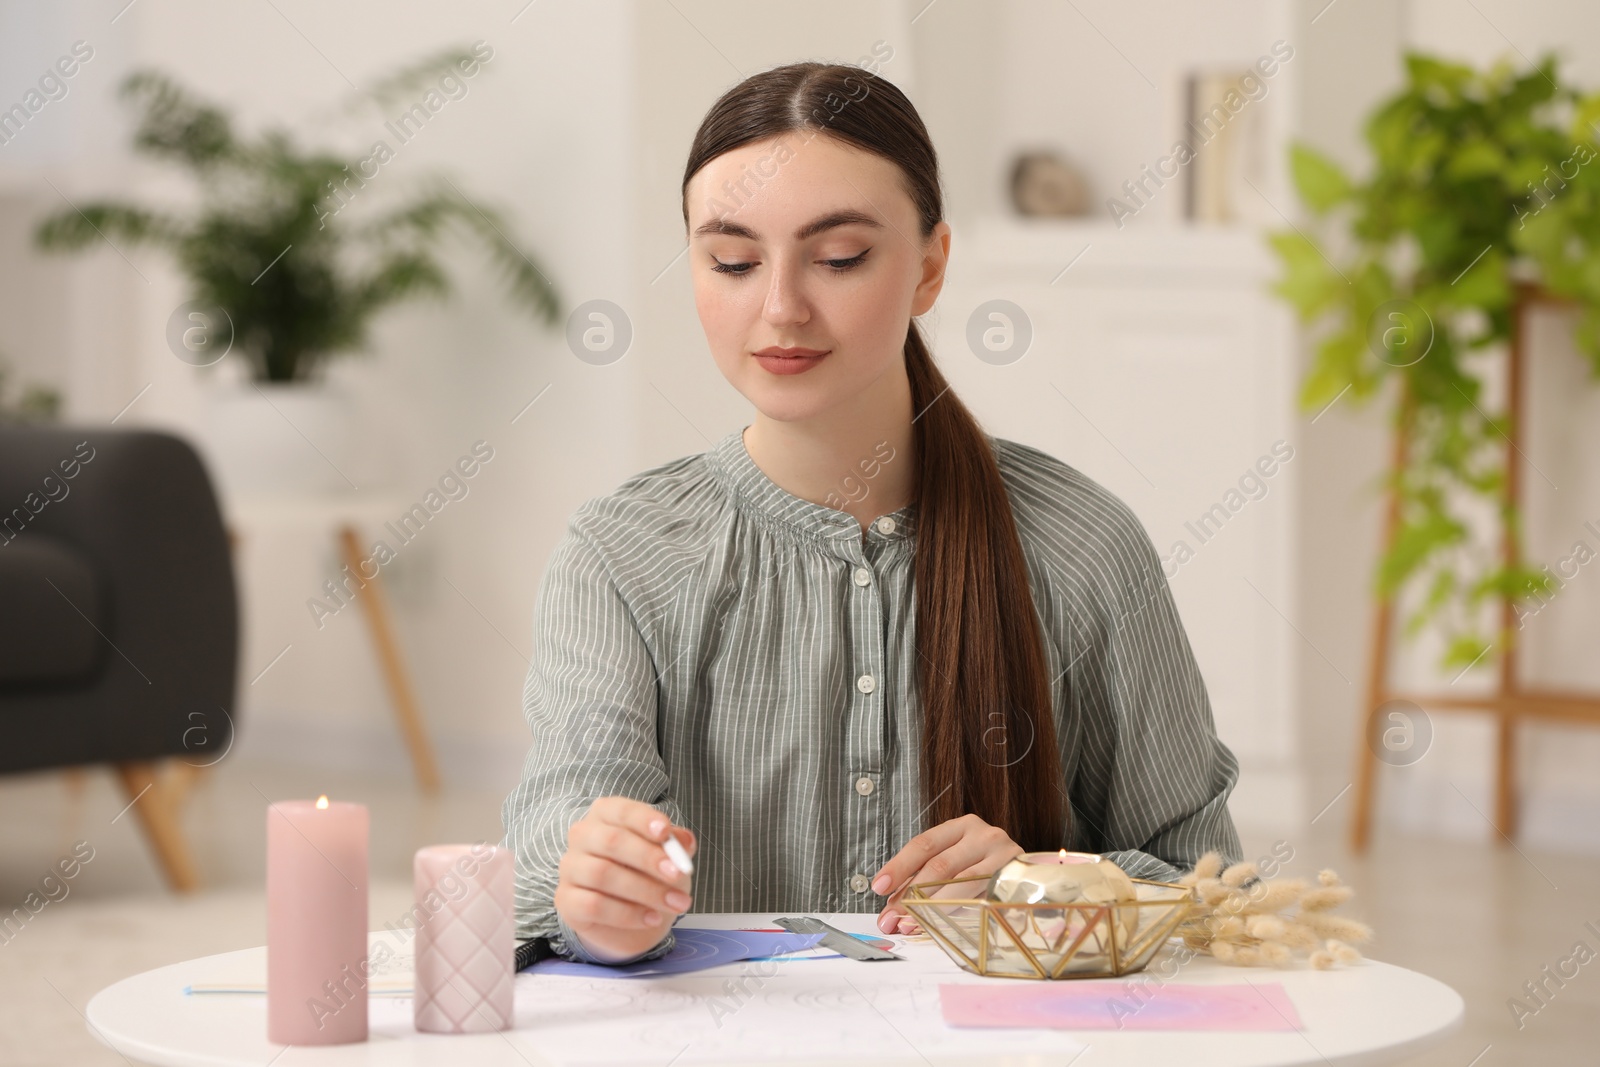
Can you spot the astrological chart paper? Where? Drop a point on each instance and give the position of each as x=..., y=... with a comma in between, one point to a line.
x=768, y=1010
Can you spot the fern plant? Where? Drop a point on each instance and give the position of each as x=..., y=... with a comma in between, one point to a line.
x=270, y=243
x=1485, y=186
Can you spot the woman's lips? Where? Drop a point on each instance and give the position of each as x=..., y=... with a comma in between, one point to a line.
x=789, y=360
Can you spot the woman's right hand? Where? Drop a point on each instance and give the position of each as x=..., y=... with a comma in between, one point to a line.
x=618, y=890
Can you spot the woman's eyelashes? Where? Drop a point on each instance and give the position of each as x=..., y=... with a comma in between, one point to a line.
x=837, y=266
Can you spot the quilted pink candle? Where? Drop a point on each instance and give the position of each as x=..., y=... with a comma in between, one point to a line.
x=316, y=922
x=466, y=939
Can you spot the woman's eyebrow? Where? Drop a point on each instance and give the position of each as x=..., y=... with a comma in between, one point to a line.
x=843, y=217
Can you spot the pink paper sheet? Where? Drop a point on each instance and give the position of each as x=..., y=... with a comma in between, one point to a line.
x=1119, y=1006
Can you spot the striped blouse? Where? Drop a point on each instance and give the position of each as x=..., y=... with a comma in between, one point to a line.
x=744, y=660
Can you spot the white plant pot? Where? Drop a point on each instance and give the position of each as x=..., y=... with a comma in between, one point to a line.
x=284, y=437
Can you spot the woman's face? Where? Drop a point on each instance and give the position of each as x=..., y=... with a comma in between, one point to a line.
x=812, y=245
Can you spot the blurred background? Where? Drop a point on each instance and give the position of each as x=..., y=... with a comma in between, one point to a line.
x=481, y=268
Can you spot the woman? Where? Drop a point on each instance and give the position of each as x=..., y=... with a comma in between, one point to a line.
x=860, y=642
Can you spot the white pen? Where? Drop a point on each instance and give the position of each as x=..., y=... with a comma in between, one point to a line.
x=675, y=852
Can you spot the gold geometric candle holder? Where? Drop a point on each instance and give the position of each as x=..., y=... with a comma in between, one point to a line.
x=1047, y=938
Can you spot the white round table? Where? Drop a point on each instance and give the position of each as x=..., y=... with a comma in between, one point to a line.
x=834, y=1011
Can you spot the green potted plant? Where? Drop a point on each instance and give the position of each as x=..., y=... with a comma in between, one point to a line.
x=1485, y=186
x=290, y=254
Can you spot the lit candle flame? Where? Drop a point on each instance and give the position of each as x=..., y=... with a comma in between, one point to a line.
x=1063, y=851
x=322, y=802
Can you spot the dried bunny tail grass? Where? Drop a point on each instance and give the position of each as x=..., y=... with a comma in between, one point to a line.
x=1232, y=927
x=1342, y=952
x=1336, y=926
x=1298, y=935
x=1207, y=866
x=1237, y=901
x=1328, y=896
x=1246, y=919
x=1240, y=873
x=1275, y=896
x=1226, y=902
x=1266, y=927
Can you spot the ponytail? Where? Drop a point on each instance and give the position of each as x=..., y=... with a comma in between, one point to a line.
x=989, y=739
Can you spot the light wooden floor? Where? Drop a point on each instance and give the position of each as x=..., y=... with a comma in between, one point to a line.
x=1485, y=919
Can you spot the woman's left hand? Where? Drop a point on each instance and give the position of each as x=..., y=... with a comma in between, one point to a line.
x=960, y=848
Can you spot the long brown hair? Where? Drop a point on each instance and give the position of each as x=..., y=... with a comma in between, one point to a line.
x=989, y=739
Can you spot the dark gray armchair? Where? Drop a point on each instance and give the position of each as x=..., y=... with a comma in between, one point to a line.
x=118, y=614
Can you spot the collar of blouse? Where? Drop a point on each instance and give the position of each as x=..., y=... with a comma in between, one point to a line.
x=761, y=496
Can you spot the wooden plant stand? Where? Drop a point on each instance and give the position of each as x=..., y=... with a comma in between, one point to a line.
x=1510, y=701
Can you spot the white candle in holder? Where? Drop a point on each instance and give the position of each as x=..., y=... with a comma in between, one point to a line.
x=1064, y=877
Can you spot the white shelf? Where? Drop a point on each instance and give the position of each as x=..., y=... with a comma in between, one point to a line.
x=1156, y=253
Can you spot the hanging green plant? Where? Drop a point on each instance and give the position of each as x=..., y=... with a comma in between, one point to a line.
x=1483, y=184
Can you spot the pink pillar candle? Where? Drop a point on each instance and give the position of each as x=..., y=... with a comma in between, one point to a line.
x=466, y=939
x=316, y=922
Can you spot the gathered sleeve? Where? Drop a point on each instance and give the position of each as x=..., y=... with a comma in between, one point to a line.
x=590, y=701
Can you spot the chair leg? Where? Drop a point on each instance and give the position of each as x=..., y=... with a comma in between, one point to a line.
x=159, y=819
x=376, y=609
x=180, y=779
